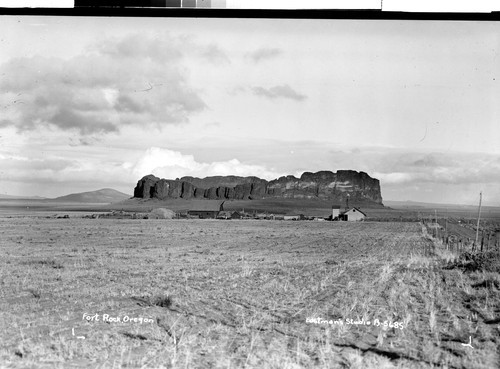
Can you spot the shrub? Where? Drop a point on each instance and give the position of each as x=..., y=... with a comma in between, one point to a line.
x=162, y=213
x=471, y=262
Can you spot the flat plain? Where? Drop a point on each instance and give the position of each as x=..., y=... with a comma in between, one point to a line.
x=109, y=293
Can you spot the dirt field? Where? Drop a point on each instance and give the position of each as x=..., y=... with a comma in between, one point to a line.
x=265, y=294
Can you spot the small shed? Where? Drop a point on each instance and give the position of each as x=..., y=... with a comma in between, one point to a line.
x=206, y=209
x=352, y=215
x=335, y=211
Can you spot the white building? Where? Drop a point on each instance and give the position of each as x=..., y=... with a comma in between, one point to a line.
x=352, y=215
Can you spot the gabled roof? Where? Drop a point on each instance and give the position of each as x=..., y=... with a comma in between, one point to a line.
x=344, y=212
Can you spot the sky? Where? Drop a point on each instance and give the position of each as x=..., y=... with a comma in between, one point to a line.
x=90, y=103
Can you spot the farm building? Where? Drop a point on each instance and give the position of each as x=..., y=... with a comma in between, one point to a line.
x=229, y=215
x=265, y=216
x=236, y=215
x=295, y=217
x=335, y=211
x=224, y=215
x=208, y=209
x=351, y=215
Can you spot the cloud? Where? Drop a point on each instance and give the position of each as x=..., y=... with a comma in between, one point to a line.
x=136, y=80
x=84, y=141
x=282, y=91
x=171, y=164
x=164, y=47
x=432, y=160
x=264, y=54
x=214, y=124
x=56, y=175
x=214, y=54
x=83, y=121
x=23, y=168
x=438, y=168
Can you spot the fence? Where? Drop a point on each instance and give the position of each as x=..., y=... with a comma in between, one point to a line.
x=488, y=240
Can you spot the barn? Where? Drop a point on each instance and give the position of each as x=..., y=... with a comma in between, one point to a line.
x=352, y=215
x=208, y=209
x=236, y=215
x=229, y=215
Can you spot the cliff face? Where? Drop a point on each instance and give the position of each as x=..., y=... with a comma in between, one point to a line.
x=322, y=185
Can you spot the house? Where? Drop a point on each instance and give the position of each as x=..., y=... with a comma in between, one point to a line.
x=206, y=209
x=351, y=215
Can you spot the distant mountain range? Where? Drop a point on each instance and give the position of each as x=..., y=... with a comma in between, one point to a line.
x=105, y=195
x=10, y=197
x=417, y=204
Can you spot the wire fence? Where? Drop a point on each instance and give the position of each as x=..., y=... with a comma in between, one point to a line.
x=457, y=242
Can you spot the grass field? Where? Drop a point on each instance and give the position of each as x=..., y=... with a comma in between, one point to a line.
x=240, y=294
x=307, y=207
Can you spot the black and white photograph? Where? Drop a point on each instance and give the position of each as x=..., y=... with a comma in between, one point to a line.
x=249, y=192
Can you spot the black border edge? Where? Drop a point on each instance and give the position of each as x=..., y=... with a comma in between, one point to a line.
x=244, y=13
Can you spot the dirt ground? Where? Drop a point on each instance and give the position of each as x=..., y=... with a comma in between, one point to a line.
x=110, y=293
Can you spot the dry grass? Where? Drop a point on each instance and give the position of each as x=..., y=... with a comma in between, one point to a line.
x=237, y=294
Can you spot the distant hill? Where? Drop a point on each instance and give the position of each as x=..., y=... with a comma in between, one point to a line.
x=105, y=195
x=418, y=204
x=10, y=197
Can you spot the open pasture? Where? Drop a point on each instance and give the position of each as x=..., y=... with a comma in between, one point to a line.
x=265, y=294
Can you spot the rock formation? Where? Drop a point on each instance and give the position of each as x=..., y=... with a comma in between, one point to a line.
x=326, y=185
